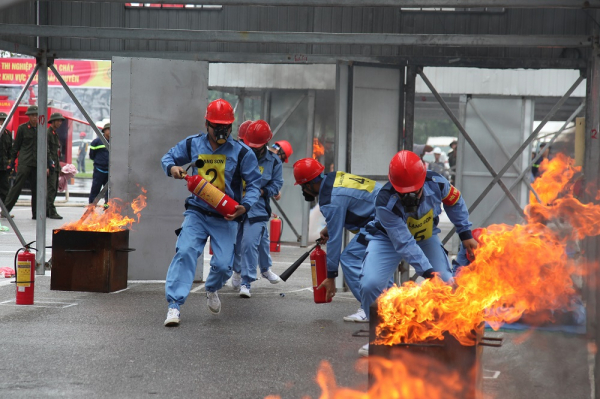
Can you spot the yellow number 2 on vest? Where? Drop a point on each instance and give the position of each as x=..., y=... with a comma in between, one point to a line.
x=214, y=169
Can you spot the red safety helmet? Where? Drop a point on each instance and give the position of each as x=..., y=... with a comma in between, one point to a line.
x=219, y=112
x=307, y=169
x=407, y=172
x=82, y=135
x=259, y=133
x=243, y=129
x=286, y=147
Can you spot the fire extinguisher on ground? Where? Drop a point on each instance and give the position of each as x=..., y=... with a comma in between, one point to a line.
x=276, y=232
x=318, y=265
x=25, y=275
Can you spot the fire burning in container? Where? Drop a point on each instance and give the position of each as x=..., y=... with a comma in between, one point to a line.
x=518, y=269
x=110, y=218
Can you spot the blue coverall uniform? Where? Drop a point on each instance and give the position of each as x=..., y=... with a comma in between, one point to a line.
x=347, y=201
x=99, y=154
x=253, y=233
x=225, y=168
x=395, y=235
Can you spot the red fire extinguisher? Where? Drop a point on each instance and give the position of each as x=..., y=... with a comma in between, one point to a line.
x=318, y=265
x=276, y=231
x=214, y=197
x=25, y=276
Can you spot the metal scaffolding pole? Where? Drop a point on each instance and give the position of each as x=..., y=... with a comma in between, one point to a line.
x=474, y=146
x=42, y=162
x=525, y=144
x=392, y=3
x=523, y=174
x=502, y=147
x=366, y=39
x=310, y=134
x=409, y=107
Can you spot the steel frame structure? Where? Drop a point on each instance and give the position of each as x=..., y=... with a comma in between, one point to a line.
x=589, y=64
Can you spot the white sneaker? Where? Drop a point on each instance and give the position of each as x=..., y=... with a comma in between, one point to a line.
x=272, y=277
x=364, y=350
x=358, y=317
x=236, y=280
x=172, y=319
x=213, y=302
x=245, y=292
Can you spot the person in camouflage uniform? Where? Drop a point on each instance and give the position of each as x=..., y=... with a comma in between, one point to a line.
x=56, y=120
x=25, y=145
x=5, y=168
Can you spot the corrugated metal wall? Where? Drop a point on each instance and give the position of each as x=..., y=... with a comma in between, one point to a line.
x=307, y=19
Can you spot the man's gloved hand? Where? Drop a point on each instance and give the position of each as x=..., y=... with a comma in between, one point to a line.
x=429, y=273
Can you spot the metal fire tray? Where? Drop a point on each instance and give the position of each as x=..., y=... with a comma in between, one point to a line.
x=90, y=261
x=449, y=351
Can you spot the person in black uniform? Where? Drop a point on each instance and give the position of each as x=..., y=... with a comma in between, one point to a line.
x=99, y=154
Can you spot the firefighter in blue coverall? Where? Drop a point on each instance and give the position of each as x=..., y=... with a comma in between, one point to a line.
x=346, y=201
x=253, y=230
x=405, y=227
x=226, y=163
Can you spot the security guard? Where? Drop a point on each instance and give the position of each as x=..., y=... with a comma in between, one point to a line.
x=253, y=230
x=99, y=154
x=346, y=201
x=5, y=168
x=25, y=146
x=56, y=120
x=405, y=227
x=225, y=163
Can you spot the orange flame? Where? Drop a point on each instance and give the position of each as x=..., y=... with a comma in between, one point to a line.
x=318, y=148
x=518, y=269
x=110, y=218
x=407, y=376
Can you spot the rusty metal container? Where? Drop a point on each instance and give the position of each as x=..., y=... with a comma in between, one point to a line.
x=91, y=261
x=449, y=351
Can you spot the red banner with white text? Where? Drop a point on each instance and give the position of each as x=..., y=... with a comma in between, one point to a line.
x=76, y=73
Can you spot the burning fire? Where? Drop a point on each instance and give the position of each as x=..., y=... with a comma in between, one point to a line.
x=407, y=376
x=318, y=149
x=111, y=218
x=518, y=269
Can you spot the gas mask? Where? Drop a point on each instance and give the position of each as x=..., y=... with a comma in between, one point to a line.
x=221, y=133
x=308, y=197
x=410, y=201
x=260, y=152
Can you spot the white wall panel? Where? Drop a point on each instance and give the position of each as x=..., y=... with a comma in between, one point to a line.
x=375, y=119
x=155, y=103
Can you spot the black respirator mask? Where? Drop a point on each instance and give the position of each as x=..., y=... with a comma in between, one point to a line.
x=221, y=133
x=410, y=201
x=260, y=152
x=308, y=197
